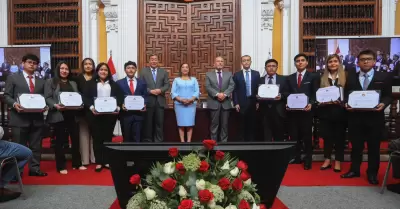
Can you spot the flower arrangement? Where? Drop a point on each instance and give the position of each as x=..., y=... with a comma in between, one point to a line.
x=203, y=179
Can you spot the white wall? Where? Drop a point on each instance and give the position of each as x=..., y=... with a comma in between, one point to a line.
x=3, y=23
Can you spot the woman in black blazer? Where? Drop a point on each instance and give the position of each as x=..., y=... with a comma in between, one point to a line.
x=332, y=115
x=102, y=125
x=64, y=121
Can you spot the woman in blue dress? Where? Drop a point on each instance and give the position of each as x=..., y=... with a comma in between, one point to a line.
x=185, y=92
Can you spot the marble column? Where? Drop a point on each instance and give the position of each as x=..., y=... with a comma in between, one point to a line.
x=287, y=63
x=90, y=9
x=294, y=36
x=388, y=17
x=3, y=23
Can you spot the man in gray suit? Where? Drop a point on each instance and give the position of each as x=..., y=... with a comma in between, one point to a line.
x=219, y=86
x=157, y=84
x=26, y=127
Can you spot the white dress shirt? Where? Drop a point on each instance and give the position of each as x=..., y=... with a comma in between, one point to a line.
x=362, y=78
x=273, y=79
x=134, y=82
x=333, y=80
x=302, y=75
x=27, y=79
x=103, y=89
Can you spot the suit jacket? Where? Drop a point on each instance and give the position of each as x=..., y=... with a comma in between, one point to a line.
x=396, y=69
x=52, y=97
x=279, y=105
x=309, y=85
x=124, y=90
x=239, y=93
x=16, y=84
x=91, y=93
x=228, y=85
x=162, y=83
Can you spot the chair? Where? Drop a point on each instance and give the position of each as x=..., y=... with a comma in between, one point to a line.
x=12, y=160
x=394, y=154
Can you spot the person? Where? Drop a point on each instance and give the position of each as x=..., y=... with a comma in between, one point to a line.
x=22, y=154
x=157, y=84
x=26, y=127
x=219, y=86
x=274, y=111
x=63, y=120
x=300, y=121
x=185, y=92
x=85, y=136
x=367, y=125
x=332, y=115
x=244, y=98
x=131, y=120
x=102, y=125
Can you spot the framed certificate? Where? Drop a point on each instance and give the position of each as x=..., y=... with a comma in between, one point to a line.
x=328, y=94
x=105, y=105
x=297, y=101
x=268, y=91
x=31, y=102
x=364, y=100
x=71, y=100
x=134, y=102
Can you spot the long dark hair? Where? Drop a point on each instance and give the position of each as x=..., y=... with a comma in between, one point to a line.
x=57, y=76
x=180, y=69
x=109, y=76
x=83, y=65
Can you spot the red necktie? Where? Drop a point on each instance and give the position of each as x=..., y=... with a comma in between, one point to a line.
x=131, y=87
x=299, y=81
x=31, y=85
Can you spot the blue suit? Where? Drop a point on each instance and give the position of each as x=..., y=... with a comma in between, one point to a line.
x=131, y=121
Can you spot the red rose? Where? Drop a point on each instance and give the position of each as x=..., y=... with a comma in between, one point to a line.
x=245, y=176
x=242, y=165
x=173, y=152
x=224, y=183
x=237, y=184
x=204, y=166
x=168, y=184
x=135, y=179
x=244, y=205
x=219, y=155
x=181, y=169
x=186, y=204
x=209, y=144
x=205, y=196
x=262, y=206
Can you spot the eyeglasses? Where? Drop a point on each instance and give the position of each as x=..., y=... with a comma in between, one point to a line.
x=369, y=59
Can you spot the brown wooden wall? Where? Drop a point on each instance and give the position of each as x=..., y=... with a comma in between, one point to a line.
x=193, y=33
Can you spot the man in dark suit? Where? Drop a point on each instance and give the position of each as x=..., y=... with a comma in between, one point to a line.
x=131, y=85
x=300, y=121
x=367, y=125
x=5, y=66
x=396, y=65
x=157, y=84
x=349, y=61
x=26, y=127
x=244, y=97
x=219, y=86
x=274, y=111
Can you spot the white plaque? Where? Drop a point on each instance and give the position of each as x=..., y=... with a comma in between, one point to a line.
x=105, y=104
x=268, y=91
x=328, y=94
x=71, y=99
x=297, y=101
x=32, y=102
x=396, y=89
x=134, y=102
x=363, y=99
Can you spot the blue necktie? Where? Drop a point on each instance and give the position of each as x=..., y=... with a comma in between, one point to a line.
x=247, y=84
x=154, y=75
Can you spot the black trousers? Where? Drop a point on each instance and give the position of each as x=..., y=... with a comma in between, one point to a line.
x=31, y=137
x=273, y=123
x=300, y=130
x=63, y=130
x=334, y=134
x=247, y=121
x=154, y=124
x=132, y=128
x=102, y=131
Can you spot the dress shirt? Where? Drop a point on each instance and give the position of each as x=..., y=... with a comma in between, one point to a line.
x=333, y=80
x=244, y=74
x=134, y=82
x=362, y=78
x=222, y=76
x=27, y=79
x=103, y=89
x=273, y=79
x=302, y=75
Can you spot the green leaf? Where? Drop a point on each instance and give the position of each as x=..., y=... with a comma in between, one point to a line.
x=173, y=203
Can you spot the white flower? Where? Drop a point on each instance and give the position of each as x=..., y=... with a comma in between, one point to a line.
x=150, y=194
x=211, y=204
x=200, y=184
x=255, y=206
x=182, y=191
x=231, y=207
x=235, y=171
x=247, y=182
x=225, y=166
x=169, y=168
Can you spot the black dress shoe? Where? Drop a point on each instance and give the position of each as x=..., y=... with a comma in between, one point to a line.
x=349, y=175
x=37, y=173
x=307, y=165
x=326, y=168
x=373, y=180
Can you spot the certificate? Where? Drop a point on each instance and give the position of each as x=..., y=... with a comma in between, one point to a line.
x=363, y=99
x=32, y=102
x=268, y=91
x=71, y=99
x=134, y=102
x=105, y=104
x=297, y=101
x=328, y=94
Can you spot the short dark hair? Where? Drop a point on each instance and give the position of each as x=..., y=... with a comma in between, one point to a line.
x=153, y=55
x=130, y=63
x=367, y=52
x=30, y=57
x=300, y=55
x=271, y=60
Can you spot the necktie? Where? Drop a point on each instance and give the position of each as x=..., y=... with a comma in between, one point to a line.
x=270, y=80
x=366, y=82
x=219, y=80
x=248, y=93
x=299, y=81
x=154, y=75
x=131, y=87
x=31, y=85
